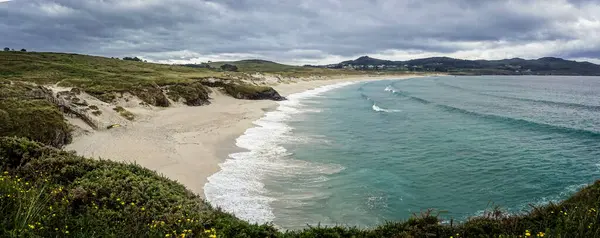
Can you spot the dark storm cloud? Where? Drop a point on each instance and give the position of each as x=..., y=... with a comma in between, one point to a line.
x=299, y=31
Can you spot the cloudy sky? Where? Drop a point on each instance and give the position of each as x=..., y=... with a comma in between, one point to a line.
x=305, y=31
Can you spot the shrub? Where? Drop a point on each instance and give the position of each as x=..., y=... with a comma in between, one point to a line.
x=194, y=94
x=109, y=199
x=124, y=113
x=132, y=59
x=37, y=120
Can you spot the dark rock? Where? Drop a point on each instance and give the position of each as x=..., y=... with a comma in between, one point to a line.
x=229, y=67
x=76, y=91
x=253, y=92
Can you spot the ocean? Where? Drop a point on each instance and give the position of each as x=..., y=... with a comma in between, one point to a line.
x=360, y=154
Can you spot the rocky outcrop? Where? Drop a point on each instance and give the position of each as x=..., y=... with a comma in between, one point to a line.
x=252, y=92
x=193, y=94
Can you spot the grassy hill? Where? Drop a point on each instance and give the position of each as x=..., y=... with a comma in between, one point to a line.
x=92, y=72
x=106, y=78
x=269, y=67
x=515, y=66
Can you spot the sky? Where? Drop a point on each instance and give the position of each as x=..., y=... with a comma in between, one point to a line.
x=305, y=31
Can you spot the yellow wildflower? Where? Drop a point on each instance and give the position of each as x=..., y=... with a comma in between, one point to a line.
x=5, y=172
x=540, y=234
x=31, y=226
x=213, y=236
x=122, y=203
x=143, y=208
x=132, y=204
x=527, y=233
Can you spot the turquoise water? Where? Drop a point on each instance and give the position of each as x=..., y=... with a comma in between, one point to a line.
x=365, y=153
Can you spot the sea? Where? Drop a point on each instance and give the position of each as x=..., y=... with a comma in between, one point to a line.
x=363, y=153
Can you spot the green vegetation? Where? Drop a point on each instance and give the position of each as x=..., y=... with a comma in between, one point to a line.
x=194, y=94
x=133, y=59
x=124, y=113
x=47, y=192
x=24, y=112
x=108, y=78
x=99, y=76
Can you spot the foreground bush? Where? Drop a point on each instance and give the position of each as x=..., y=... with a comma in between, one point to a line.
x=92, y=198
x=46, y=192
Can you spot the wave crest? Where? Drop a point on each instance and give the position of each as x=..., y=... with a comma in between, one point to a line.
x=379, y=109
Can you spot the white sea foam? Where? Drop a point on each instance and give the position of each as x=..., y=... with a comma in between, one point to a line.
x=239, y=187
x=379, y=109
x=390, y=89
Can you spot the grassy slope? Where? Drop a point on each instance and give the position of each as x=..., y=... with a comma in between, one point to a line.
x=25, y=115
x=92, y=72
x=103, y=77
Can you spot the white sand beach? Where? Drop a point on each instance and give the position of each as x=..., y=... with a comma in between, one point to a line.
x=187, y=143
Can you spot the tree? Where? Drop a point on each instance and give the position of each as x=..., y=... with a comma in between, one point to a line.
x=133, y=59
x=6, y=49
x=23, y=50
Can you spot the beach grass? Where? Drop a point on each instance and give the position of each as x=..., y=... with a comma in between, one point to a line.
x=24, y=112
x=107, y=78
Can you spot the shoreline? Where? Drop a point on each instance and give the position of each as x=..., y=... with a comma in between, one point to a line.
x=188, y=144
